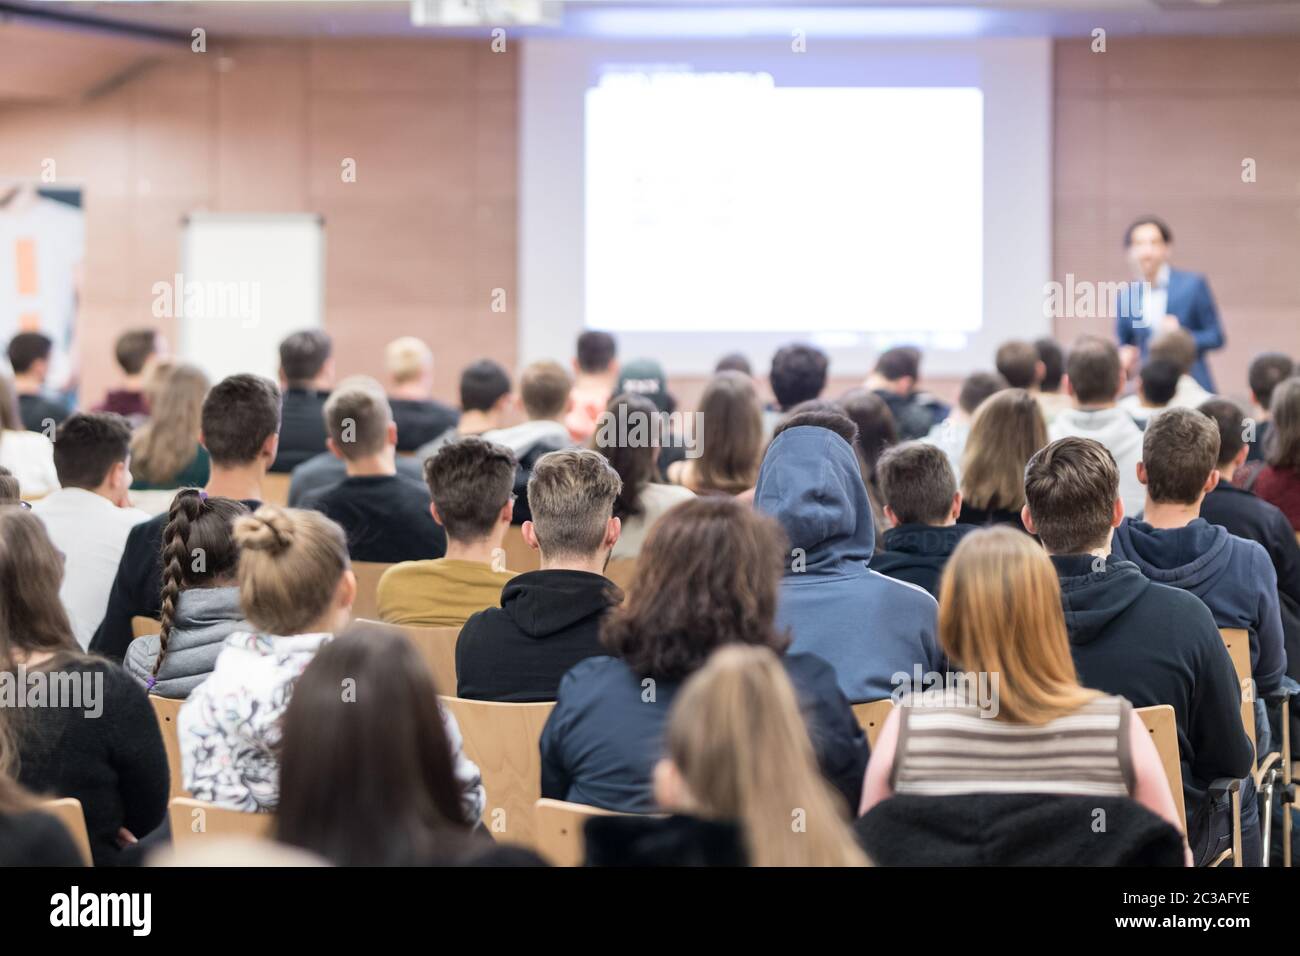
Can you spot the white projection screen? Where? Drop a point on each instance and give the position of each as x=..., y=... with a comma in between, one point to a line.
x=703, y=198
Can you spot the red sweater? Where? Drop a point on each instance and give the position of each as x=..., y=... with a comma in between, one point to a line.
x=1281, y=487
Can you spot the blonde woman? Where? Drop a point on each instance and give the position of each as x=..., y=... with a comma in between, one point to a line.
x=165, y=451
x=1007, y=429
x=738, y=750
x=296, y=589
x=1000, y=614
x=731, y=439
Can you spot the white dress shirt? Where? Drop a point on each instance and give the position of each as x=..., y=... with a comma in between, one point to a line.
x=91, y=532
x=1156, y=303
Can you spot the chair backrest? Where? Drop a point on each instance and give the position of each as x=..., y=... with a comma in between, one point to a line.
x=1237, y=641
x=871, y=717
x=519, y=557
x=437, y=645
x=503, y=740
x=275, y=488
x=166, y=709
x=559, y=829
x=366, y=604
x=69, y=813
x=194, y=821
x=140, y=626
x=622, y=571
x=1163, y=726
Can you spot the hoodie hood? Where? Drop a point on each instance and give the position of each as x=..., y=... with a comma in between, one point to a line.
x=542, y=603
x=1191, y=557
x=1094, y=593
x=524, y=436
x=811, y=483
x=926, y=541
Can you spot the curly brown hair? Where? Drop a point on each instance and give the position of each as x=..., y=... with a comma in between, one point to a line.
x=708, y=575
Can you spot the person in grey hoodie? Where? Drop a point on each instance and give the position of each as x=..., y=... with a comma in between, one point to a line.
x=872, y=629
x=200, y=601
x=1096, y=379
x=1173, y=545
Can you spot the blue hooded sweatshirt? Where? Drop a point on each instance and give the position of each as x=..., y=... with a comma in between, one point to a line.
x=1233, y=577
x=869, y=627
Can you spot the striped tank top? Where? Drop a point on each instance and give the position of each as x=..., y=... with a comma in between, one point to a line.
x=946, y=748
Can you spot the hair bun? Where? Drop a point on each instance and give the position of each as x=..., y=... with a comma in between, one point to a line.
x=268, y=529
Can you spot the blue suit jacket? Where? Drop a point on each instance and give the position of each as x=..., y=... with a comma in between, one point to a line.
x=1189, y=299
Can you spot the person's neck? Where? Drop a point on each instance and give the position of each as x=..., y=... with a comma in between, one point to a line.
x=1100, y=551
x=1093, y=406
x=1226, y=472
x=480, y=551
x=240, y=482
x=112, y=496
x=592, y=381
x=132, y=383
x=411, y=392
x=591, y=563
x=383, y=463
x=311, y=385
x=1170, y=514
x=28, y=385
x=475, y=422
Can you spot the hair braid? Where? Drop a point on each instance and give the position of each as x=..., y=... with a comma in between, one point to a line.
x=186, y=507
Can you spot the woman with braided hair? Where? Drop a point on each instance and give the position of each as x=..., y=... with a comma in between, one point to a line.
x=200, y=596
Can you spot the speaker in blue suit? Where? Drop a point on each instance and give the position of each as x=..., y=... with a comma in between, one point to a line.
x=1166, y=298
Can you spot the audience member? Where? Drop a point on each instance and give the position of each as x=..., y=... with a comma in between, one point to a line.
x=1095, y=381
x=420, y=419
x=10, y=493
x=29, y=356
x=549, y=619
x=595, y=368
x=28, y=835
x=544, y=389
x=867, y=626
x=306, y=375
x=1007, y=430
x=485, y=401
x=374, y=779
x=1049, y=393
x=241, y=422
x=953, y=432
x=798, y=375
x=895, y=379
x=730, y=436
x=1020, y=365
x=877, y=432
x=470, y=482
x=1000, y=613
x=166, y=451
x=384, y=515
x=1157, y=386
x=734, y=362
x=136, y=351
x=1279, y=481
x=1266, y=371
x=29, y=456
x=642, y=499
x=90, y=518
x=200, y=598
x=1178, y=348
x=1146, y=642
x=103, y=749
x=922, y=503
x=709, y=575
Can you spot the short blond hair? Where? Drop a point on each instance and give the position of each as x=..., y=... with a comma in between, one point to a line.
x=357, y=416
x=571, y=495
x=407, y=358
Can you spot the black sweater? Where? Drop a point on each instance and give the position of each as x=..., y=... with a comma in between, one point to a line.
x=137, y=589
x=1248, y=516
x=547, y=622
x=386, y=518
x=113, y=763
x=420, y=422
x=32, y=838
x=1154, y=644
x=302, y=427
x=916, y=553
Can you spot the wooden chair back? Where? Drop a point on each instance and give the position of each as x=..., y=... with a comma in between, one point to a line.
x=142, y=626
x=68, y=812
x=275, y=488
x=622, y=571
x=195, y=822
x=871, y=717
x=437, y=645
x=368, y=573
x=166, y=710
x=1163, y=727
x=559, y=830
x=519, y=556
x=1237, y=641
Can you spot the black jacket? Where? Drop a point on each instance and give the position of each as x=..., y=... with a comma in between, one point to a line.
x=1154, y=644
x=137, y=588
x=916, y=553
x=663, y=841
x=386, y=518
x=33, y=838
x=1248, y=516
x=914, y=414
x=420, y=422
x=547, y=622
x=987, y=829
x=987, y=517
x=602, y=740
x=302, y=427
x=36, y=410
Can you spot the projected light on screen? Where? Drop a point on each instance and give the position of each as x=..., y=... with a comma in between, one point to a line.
x=722, y=202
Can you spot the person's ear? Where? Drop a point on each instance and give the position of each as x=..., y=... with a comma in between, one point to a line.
x=1067, y=385
x=1212, y=482
x=1117, y=513
x=433, y=511
x=1142, y=472
x=892, y=515
x=327, y=371
x=613, y=529
x=956, y=506
x=1239, y=459
x=530, y=535
x=1040, y=372
x=334, y=448
x=392, y=434
x=1123, y=380
x=507, y=512
x=346, y=592
x=1027, y=520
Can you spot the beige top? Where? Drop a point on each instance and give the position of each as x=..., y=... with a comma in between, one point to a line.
x=655, y=499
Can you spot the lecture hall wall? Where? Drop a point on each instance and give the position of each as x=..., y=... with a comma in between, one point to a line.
x=428, y=230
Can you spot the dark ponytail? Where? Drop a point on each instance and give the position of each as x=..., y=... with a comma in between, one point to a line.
x=195, y=523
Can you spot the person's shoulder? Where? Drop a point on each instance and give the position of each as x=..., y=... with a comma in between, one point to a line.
x=666, y=495
x=903, y=593
x=37, y=838
x=596, y=672
x=809, y=670
x=1178, y=606
x=404, y=571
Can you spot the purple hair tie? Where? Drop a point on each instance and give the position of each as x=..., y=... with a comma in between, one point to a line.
x=148, y=685
x=203, y=495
